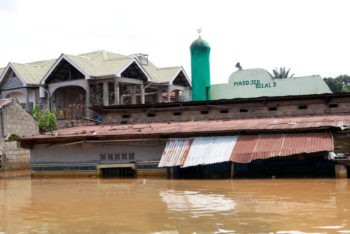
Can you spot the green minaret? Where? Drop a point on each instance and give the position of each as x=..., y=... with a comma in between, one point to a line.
x=200, y=69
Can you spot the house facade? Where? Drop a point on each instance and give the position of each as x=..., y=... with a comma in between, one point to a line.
x=72, y=83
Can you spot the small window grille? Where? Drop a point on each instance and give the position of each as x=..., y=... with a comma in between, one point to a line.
x=243, y=110
x=302, y=107
x=177, y=113
x=272, y=108
x=204, y=112
x=223, y=111
x=333, y=105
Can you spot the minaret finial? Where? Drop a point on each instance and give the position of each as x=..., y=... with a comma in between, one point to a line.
x=199, y=31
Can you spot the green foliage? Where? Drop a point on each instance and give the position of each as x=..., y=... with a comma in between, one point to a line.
x=13, y=137
x=339, y=84
x=281, y=73
x=48, y=122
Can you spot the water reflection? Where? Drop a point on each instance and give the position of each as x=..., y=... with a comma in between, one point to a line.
x=195, y=202
x=173, y=206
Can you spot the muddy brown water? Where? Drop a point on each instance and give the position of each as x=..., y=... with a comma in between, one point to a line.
x=96, y=205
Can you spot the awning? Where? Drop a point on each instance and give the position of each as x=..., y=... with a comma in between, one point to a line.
x=186, y=152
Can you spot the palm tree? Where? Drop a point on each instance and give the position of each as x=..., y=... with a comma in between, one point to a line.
x=281, y=73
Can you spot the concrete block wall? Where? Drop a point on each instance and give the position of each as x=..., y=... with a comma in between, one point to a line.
x=233, y=111
x=21, y=123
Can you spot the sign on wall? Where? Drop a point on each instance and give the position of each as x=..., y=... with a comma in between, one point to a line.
x=117, y=156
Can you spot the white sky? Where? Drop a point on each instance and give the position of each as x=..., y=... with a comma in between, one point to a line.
x=310, y=37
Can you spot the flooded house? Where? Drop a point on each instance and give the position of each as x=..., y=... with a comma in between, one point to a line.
x=253, y=126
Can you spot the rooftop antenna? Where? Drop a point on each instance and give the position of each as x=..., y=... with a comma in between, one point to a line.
x=199, y=31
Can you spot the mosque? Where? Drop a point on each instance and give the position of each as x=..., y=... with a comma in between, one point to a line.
x=253, y=126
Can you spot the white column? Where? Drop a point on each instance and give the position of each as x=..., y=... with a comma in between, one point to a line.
x=116, y=92
x=142, y=94
x=105, y=93
x=159, y=95
x=168, y=93
x=133, y=95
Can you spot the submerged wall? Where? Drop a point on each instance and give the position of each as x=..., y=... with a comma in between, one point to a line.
x=87, y=156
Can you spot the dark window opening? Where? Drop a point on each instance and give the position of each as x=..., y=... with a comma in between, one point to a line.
x=151, y=115
x=121, y=172
x=177, y=113
x=333, y=105
x=302, y=107
x=243, y=110
x=223, y=111
x=204, y=112
x=273, y=108
x=125, y=116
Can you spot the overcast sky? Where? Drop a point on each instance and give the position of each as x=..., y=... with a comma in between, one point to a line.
x=310, y=37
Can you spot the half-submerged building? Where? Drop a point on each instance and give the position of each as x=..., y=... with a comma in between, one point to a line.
x=296, y=127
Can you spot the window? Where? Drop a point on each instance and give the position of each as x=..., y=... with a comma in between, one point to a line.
x=243, y=110
x=204, y=112
x=333, y=105
x=125, y=116
x=151, y=115
x=272, y=108
x=302, y=107
x=223, y=111
x=177, y=113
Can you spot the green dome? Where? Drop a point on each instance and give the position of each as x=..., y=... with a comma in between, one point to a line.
x=200, y=43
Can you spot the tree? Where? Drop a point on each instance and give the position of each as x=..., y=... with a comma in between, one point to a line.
x=48, y=122
x=338, y=84
x=281, y=73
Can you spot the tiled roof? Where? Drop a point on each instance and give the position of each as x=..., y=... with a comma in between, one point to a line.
x=218, y=127
x=4, y=102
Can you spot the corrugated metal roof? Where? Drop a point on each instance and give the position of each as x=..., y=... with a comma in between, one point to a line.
x=196, y=127
x=209, y=150
x=33, y=73
x=252, y=147
x=241, y=149
x=175, y=152
x=103, y=63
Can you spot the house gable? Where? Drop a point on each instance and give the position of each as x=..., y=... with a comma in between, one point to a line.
x=64, y=71
x=11, y=81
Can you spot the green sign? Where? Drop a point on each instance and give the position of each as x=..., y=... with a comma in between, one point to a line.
x=255, y=83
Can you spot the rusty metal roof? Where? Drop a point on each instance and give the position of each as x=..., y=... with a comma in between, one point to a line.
x=252, y=147
x=187, y=152
x=194, y=128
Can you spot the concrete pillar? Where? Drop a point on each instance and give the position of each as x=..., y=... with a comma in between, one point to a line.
x=105, y=93
x=116, y=92
x=168, y=94
x=177, y=95
x=142, y=94
x=27, y=100
x=341, y=171
x=133, y=95
x=159, y=95
x=87, y=100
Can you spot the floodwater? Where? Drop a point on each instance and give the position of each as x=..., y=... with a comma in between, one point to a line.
x=96, y=205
